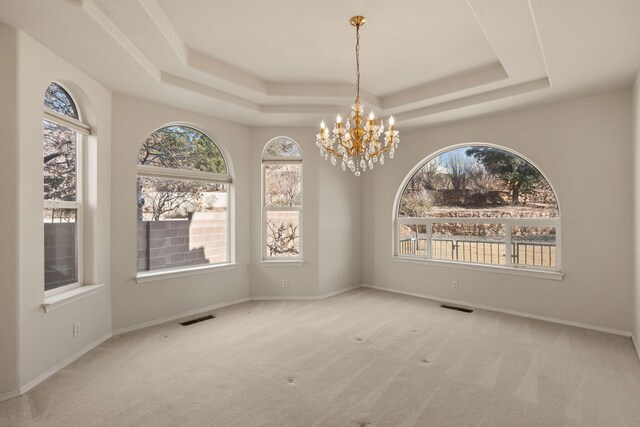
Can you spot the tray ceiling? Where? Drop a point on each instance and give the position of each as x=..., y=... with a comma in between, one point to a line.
x=290, y=62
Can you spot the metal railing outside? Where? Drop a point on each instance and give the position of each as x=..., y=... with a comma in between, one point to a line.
x=523, y=253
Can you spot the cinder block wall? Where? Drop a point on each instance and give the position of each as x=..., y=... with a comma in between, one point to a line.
x=199, y=239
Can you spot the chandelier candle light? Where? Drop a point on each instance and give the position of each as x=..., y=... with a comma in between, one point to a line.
x=356, y=141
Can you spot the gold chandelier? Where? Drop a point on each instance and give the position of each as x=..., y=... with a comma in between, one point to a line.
x=356, y=142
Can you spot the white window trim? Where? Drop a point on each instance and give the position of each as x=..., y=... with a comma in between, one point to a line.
x=66, y=121
x=160, y=172
x=56, y=301
x=509, y=268
x=77, y=204
x=185, y=174
x=172, y=273
x=281, y=261
x=507, y=223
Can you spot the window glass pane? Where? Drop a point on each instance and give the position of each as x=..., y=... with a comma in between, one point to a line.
x=181, y=223
x=57, y=99
x=283, y=148
x=182, y=147
x=60, y=248
x=413, y=240
x=478, y=182
x=59, y=162
x=480, y=243
x=283, y=233
x=283, y=185
x=534, y=246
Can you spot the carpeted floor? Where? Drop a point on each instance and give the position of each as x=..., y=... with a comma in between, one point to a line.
x=363, y=358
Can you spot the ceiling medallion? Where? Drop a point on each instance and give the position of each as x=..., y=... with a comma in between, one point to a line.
x=356, y=142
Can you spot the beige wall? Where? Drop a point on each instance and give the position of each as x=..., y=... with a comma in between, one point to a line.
x=584, y=148
x=8, y=225
x=340, y=227
x=331, y=226
x=135, y=303
x=266, y=281
x=636, y=212
x=46, y=339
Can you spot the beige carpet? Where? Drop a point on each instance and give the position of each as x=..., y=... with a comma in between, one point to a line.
x=364, y=358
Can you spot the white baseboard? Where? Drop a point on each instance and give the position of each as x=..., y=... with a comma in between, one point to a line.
x=636, y=344
x=502, y=310
x=62, y=364
x=9, y=395
x=303, y=297
x=178, y=316
x=224, y=304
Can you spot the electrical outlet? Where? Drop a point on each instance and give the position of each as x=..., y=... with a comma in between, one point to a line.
x=76, y=329
x=285, y=283
x=454, y=285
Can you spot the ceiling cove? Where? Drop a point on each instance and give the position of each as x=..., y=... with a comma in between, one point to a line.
x=516, y=66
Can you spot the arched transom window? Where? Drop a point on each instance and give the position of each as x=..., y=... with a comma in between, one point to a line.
x=183, y=201
x=479, y=204
x=282, y=200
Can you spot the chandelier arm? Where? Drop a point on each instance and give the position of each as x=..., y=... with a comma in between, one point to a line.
x=345, y=147
x=382, y=149
x=332, y=151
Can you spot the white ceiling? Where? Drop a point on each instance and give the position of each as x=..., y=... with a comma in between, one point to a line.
x=288, y=62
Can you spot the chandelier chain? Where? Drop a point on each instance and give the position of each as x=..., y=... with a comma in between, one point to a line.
x=357, y=64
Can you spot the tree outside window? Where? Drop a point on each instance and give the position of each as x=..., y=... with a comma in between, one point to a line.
x=282, y=199
x=182, y=200
x=479, y=204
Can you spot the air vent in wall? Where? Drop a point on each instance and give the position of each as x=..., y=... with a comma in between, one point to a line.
x=199, y=319
x=451, y=307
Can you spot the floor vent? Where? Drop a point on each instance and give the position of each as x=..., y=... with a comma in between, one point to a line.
x=451, y=307
x=199, y=319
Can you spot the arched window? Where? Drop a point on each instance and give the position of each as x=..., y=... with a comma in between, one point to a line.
x=63, y=139
x=282, y=200
x=183, y=201
x=479, y=204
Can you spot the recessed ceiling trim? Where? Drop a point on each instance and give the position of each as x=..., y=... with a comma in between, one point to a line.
x=197, y=60
x=222, y=70
x=455, y=83
x=299, y=109
x=205, y=90
x=320, y=90
x=539, y=39
x=157, y=15
x=492, y=95
x=114, y=31
x=510, y=29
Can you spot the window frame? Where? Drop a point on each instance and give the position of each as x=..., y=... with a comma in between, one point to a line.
x=149, y=171
x=507, y=223
x=81, y=130
x=281, y=160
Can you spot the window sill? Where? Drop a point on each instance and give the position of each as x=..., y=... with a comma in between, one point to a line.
x=540, y=274
x=152, y=276
x=282, y=263
x=54, y=302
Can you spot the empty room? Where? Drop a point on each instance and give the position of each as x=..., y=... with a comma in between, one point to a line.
x=320, y=213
